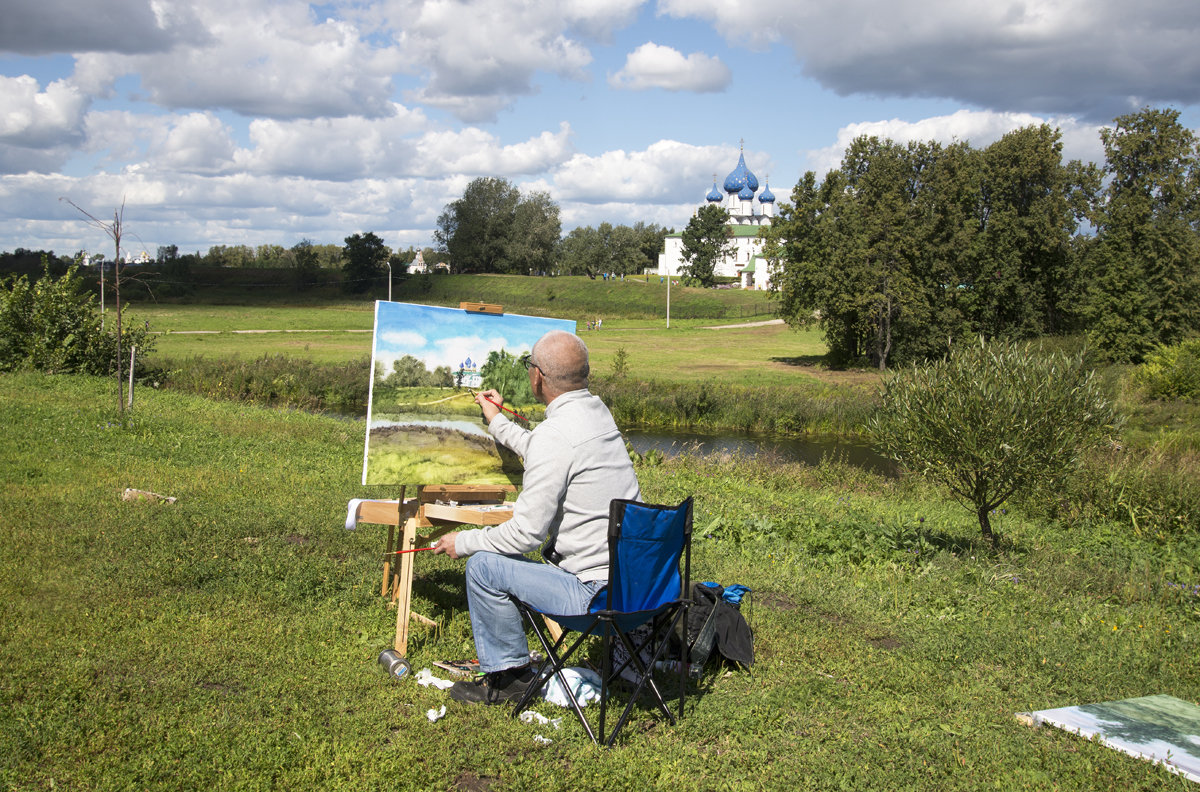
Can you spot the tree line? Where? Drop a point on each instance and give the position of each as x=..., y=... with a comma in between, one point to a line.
x=904, y=249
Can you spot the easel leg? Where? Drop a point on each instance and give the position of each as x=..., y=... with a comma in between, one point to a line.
x=385, y=587
x=404, y=584
x=388, y=586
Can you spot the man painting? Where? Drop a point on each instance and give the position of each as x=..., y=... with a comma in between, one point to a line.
x=575, y=465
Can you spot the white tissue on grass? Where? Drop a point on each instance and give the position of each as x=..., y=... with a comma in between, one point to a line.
x=583, y=682
x=529, y=716
x=542, y=740
x=436, y=715
x=425, y=678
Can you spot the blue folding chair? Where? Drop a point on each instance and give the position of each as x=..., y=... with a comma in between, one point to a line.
x=645, y=546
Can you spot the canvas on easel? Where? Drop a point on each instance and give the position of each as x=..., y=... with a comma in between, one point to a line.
x=423, y=425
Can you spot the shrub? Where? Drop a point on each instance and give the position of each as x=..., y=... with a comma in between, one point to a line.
x=1171, y=372
x=992, y=420
x=52, y=325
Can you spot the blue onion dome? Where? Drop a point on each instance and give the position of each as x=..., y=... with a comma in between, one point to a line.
x=741, y=177
x=767, y=196
x=746, y=194
x=714, y=195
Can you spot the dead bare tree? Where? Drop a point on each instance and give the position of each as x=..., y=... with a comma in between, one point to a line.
x=114, y=229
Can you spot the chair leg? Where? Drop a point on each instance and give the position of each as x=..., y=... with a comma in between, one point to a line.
x=552, y=667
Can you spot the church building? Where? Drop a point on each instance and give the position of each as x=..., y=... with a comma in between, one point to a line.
x=749, y=211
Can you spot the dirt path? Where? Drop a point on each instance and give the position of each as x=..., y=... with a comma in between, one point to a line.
x=744, y=324
x=250, y=332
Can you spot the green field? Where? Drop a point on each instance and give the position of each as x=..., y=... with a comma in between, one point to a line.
x=687, y=352
x=228, y=640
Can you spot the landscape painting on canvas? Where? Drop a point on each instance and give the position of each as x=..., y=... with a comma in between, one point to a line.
x=423, y=426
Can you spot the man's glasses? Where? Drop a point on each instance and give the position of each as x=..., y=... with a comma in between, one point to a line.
x=526, y=360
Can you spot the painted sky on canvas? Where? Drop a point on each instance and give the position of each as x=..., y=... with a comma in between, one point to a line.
x=448, y=336
x=272, y=121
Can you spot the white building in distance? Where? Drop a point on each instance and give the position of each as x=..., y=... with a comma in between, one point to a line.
x=747, y=214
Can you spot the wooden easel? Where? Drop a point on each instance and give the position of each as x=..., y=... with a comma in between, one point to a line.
x=415, y=522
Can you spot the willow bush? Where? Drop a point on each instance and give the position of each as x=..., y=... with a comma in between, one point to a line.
x=992, y=420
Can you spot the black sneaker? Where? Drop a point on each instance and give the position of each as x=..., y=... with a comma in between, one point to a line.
x=497, y=687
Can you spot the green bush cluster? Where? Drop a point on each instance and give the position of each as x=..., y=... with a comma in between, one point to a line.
x=1171, y=372
x=52, y=325
x=276, y=380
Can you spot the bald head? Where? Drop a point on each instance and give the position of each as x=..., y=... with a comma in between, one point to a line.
x=563, y=360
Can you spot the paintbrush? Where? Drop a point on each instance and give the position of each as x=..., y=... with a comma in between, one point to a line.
x=516, y=414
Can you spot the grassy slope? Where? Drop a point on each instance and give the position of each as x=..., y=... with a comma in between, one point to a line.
x=228, y=640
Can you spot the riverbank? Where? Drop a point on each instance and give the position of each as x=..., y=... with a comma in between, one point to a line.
x=229, y=639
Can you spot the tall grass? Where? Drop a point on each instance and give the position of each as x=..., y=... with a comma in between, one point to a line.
x=271, y=380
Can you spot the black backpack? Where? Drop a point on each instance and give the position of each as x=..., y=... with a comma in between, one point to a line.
x=714, y=623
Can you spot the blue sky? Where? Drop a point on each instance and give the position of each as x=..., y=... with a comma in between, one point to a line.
x=264, y=121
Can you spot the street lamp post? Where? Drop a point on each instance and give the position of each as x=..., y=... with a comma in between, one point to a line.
x=668, y=297
x=389, y=265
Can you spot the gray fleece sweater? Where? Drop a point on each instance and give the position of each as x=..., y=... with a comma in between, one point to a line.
x=575, y=464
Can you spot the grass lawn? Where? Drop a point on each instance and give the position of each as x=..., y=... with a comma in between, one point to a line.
x=228, y=641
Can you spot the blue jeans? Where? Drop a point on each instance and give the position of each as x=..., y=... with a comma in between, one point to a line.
x=493, y=580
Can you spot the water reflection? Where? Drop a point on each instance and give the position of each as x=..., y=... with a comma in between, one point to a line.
x=807, y=450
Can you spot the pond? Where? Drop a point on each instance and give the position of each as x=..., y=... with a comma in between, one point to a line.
x=806, y=450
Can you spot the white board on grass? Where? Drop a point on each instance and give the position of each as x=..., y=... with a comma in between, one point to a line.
x=1161, y=729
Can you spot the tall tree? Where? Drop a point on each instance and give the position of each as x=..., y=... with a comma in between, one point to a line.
x=305, y=263
x=650, y=240
x=1022, y=255
x=1148, y=232
x=706, y=240
x=363, y=261
x=903, y=249
x=474, y=229
x=492, y=228
x=847, y=252
x=534, y=236
x=584, y=251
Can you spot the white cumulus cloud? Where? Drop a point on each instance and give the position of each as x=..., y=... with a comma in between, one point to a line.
x=1080, y=140
x=262, y=59
x=665, y=172
x=38, y=119
x=655, y=66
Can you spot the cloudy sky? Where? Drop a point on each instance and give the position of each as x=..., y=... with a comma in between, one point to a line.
x=261, y=121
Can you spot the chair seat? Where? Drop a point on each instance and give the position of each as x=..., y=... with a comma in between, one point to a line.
x=605, y=619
